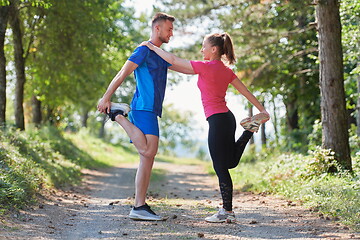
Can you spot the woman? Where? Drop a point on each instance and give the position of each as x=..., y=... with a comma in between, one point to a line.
x=214, y=78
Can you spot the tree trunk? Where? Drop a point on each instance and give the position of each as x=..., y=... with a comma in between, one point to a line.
x=275, y=121
x=250, y=114
x=102, y=128
x=292, y=116
x=333, y=110
x=84, y=118
x=36, y=111
x=4, y=14
x=358, y=107
x=19, y=65
x=263, y=135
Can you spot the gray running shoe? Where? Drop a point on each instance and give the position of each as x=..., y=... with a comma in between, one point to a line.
x=144, y=213
x=222, y=216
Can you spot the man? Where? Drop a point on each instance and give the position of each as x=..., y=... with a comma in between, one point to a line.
x=150, y=73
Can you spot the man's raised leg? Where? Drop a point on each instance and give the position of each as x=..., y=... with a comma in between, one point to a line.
x=146, y=145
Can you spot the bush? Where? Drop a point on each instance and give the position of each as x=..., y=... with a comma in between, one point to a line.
x=20, y=177
x=315, y=137
x=354, y=141
x=321, y=161
x=306, y=178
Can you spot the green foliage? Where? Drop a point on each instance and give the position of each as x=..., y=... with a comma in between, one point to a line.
x=321, y=161
x=354, y=141
x=34, y=3
x=350, y=23
x=252, y=155
x=316, y=135
x=276, y=48
x=74, y=50
x=4, y=2
x=305, y=178
x=37, y=160
x=175, y=129
x=295, y=140
x=19, y=178
x=104, y=153
x=68, y=60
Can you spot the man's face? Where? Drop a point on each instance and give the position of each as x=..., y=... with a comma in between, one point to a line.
x=165, y=31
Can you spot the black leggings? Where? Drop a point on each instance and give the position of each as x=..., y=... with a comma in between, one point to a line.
x=225, y=152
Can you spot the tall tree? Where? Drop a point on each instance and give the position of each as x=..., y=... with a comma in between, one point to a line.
x=80, y=47
x=18, y=26
x=4, y=14
x=333, y=110
x=17, y=33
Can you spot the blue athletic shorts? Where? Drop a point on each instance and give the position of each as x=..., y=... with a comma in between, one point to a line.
x=146, y=121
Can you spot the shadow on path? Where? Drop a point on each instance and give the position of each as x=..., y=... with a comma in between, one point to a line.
x=98, y=210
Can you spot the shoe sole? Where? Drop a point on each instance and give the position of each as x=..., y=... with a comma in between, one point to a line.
x=228, y=220
x=120, y=106
x=253, y=123
x=142, y=218
x=259, y=118
x=125, y=108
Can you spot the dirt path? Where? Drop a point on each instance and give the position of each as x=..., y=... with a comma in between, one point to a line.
x=99, y=209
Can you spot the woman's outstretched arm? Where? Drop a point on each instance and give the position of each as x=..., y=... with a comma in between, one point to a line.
x=246, y=93
x=178, y=64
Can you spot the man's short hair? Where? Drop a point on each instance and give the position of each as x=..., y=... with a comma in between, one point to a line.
x=158, y=17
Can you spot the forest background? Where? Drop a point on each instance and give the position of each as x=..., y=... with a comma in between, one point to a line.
x=300, y=58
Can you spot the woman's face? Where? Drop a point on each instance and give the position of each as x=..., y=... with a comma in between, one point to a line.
x=207, y=50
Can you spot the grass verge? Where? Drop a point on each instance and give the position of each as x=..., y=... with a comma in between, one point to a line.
x=305, y=179
x=36, y=160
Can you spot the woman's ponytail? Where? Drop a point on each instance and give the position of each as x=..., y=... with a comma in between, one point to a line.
x=228, y=48
x=224, y=43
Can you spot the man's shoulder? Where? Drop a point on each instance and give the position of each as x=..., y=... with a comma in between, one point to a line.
x=141, y=49
x=139, y=55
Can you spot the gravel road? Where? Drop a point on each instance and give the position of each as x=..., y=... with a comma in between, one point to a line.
x=98, y=209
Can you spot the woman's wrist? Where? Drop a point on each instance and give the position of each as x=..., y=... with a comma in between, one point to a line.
x=150, y=45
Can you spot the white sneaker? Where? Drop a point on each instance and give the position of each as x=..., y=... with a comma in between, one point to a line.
x=253, y=123
x=118, y=108
x=222, y=216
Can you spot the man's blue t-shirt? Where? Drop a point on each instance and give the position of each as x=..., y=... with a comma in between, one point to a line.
x=150, y=78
